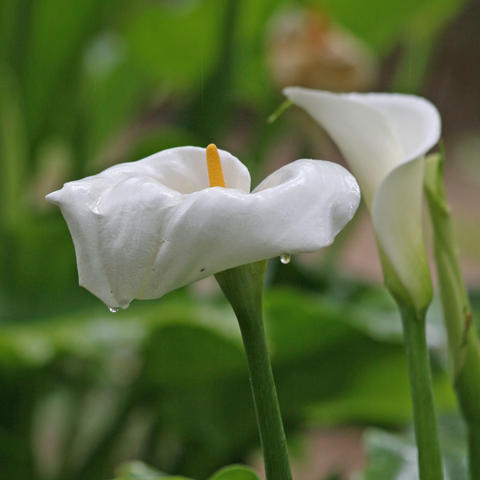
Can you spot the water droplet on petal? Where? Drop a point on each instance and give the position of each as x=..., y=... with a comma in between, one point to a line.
x=285, y=258
x=113, y=309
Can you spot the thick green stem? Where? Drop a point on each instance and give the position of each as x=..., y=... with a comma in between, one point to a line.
x=424, y=418
x=429, y=457
x=243, y=287
x=462, y=336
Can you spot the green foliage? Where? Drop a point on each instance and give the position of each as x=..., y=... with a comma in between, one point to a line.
x=56, y=35
x=13, y=151
x=394, y=456
x=140, y=471
x=381, y=23
x=179, y=363
x=176, y=43
x=235, y=472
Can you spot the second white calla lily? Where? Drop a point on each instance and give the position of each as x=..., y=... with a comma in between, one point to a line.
x=384, y=137
x=144, y=228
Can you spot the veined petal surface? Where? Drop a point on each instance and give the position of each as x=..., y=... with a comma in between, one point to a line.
x=144, y=228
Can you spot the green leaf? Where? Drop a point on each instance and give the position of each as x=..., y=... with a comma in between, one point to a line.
x=381, y=23
x=113, y=91
x=180, y=361
x=394, y=457
x=209, y=356
x=57, y=35
x=9, y=11
x=176, y=44
x=137, y=471
x=13, y=151
x=254, y=86
x=235, y=472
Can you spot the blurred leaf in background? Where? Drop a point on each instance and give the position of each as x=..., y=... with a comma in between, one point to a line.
x=140, y=471
x=172, y=378
x=394, y=456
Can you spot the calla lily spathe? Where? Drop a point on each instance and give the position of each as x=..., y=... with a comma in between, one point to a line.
x=144, y=228
x=384, y=138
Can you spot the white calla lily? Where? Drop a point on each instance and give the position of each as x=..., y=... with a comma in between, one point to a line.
x=384, y=137
x=144, y=228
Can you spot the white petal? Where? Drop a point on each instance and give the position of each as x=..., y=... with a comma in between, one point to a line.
x=184, y=169
x=397, y=220
x=181, y=169
x=310, y=202
x=383, y=137
x=139, y=239
x=415, y=119
x=363, y=134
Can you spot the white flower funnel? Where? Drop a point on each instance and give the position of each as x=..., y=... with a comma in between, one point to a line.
x=144, y=228
x=384, y=137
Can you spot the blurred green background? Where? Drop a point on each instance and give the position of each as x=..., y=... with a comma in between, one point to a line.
x=90, y=83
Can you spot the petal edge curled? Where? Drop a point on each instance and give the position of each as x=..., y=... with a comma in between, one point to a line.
x=383, y=137
x=135, y=237
x=397, y=221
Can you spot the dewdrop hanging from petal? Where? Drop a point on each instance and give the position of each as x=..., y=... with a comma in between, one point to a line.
x=145, y=228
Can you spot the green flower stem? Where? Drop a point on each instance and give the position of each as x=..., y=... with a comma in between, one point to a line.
x=462, y=336
x=243, y=287
x=424, y=417
x=426, y=434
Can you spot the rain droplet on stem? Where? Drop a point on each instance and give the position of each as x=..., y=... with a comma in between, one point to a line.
x=285, y=258
x=113, y=309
